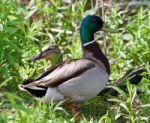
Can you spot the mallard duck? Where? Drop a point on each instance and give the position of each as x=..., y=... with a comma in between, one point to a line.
x=49, y=52
x=75, y=80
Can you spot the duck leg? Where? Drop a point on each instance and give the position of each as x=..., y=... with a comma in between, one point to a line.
x=72, y=107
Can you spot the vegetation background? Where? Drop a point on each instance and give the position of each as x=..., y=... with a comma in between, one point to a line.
x=26, y=26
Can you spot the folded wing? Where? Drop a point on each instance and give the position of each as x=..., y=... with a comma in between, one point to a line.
x=61, y=73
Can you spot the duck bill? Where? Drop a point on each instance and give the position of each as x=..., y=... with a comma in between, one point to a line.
x=36, y=57
x=106, y=29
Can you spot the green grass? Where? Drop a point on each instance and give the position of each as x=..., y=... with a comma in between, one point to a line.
x=21, y=36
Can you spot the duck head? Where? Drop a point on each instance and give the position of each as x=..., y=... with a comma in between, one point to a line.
x=49, y=52
x=90, y=25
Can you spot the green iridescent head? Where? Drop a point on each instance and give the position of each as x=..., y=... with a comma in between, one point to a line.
x=90, y=25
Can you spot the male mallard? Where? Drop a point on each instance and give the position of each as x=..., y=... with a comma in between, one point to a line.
x=75, y=80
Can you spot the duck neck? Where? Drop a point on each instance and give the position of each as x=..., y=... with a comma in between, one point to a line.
x=86, y=35
x=57, y=58
x=90, y=46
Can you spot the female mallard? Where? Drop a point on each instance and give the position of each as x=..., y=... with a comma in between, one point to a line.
x=49, y=52
x=76, y=80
